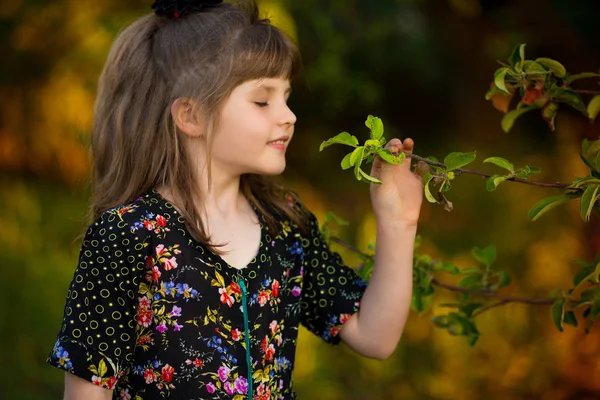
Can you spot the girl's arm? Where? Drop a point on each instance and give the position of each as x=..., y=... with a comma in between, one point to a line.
x=374, y=331
x=77, y=388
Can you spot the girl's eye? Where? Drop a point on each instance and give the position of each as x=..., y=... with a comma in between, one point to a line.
x=260, y=104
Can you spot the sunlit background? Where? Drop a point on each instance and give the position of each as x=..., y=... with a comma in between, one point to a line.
x=424, y=67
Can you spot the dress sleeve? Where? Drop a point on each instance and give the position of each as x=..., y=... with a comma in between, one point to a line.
x=331, y=291
x=97, y=337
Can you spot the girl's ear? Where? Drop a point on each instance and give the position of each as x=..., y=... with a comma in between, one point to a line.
x=186, y=118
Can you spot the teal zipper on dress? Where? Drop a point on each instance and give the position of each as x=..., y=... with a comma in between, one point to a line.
x=246, y=334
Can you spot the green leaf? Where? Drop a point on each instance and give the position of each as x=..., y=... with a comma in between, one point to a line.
x=501, y=162
x=486, y=256
x=570, y=318
x=388, y=157
x=419, y=301
x=356, y=159
x=533, y=68
x=470, y=308
x=472, y=338
x=499, y=79
x=586, y=144
x=545, y=205
x=357, y=155
x=517, y=57
x=558, y=313
x=342, y=138
x=441, y=320
x=447, y=267
x=504, y=279
x=593, y=108
x=549, y=114
x=428, y=194
x=457, y=160
x=509, y=119
x=583, y=275
x=590, y=195
x=346, y=163
x=376, y=126
x=534, y=170
x=493, y=182
x=583, y=75
x=471, y=282
x=557, y=68
x=571, y=98
x=369, y=178
x=470, y=271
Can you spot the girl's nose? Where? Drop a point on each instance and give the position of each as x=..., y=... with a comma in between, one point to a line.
x=288, y=117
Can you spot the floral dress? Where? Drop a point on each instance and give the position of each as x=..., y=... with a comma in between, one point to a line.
x=151, y=314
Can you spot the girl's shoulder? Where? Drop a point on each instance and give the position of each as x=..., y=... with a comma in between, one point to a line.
x=140, y=217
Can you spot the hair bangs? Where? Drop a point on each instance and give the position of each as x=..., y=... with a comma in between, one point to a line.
x=264, y=51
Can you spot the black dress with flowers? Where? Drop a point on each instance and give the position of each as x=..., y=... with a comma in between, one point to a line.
x=152, y=314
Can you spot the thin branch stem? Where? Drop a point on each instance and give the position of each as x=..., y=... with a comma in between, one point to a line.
x=348, y=246
x=484, y=293
x=504, y=298
x=459, y=171
x=585, y=91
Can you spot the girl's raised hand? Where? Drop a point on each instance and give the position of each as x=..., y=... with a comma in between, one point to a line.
x=399, y=198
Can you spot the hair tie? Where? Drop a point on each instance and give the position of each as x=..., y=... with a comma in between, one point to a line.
x=178, y=8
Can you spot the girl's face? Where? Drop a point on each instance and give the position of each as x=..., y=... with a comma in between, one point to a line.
x=255, y=129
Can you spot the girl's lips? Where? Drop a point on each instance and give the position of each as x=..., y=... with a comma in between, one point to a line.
x=278, y=146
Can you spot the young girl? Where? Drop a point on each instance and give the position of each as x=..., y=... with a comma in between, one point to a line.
x=198, y=268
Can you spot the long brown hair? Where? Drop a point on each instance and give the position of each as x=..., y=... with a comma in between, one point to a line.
x=136, y=145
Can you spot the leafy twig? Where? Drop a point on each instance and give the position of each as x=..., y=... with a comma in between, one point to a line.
x=504, y=298
x=459, y=171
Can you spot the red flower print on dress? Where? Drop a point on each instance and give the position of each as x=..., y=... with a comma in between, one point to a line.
x=236, y=334
x=334, y=330
x=273, y=326
x=275, y=288
x=170, y=263
x=143, y=303
x=270, y=352
x=226, y=297
x=149, y=225
x=124, y=394
x=263, y=392
x=344, y=318
x=96, y=380
x=155, y=274
x=263, y=297
x=149, y=376
x=197, y=363
x=160, y=249
x=161, y=221
x=263, y=344
x=167, y=373
x=112, y=381
x=150, y=261
x=144, y=318
x=235, y=288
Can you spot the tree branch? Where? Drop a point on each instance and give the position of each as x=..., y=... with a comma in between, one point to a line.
x=504, y=298
x=584, y=91
x=459, y=171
